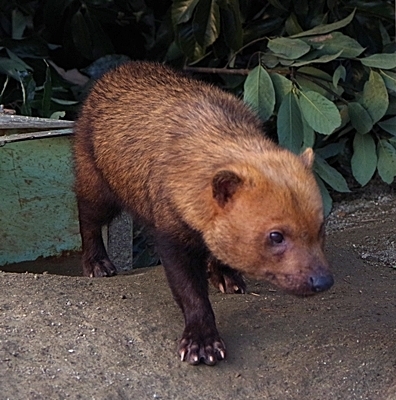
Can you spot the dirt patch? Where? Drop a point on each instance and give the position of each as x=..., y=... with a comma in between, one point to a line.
x=79, y=338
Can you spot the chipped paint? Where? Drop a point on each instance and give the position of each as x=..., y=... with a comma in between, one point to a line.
x=38, y=212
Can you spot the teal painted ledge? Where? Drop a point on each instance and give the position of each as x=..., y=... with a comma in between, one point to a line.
x=38, y=211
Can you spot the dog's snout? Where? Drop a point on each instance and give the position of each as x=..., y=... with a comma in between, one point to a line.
x=320, y=283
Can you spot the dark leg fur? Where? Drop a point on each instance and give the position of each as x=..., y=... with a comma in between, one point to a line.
x=187, y=277
x=97, y=206
x=95, y=260
x=224, y=278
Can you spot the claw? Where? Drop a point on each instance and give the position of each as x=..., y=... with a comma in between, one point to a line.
x=182, y=355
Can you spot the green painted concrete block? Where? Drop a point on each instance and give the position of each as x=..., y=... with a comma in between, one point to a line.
x=38, y=211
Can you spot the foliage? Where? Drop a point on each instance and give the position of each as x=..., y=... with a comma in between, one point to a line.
x=325, y=71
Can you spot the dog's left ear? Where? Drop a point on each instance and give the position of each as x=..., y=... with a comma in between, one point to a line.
x=308, y=157
x=224, y=186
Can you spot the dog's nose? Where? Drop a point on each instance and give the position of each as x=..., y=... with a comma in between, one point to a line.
x=320, y=283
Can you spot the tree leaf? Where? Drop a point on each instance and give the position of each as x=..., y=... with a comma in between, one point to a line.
x=375, y=97
x=47, y=93
x=364, y=158
x=11, y=68
x=327, y=200
x=330, y=175
x=270, y=60
x=383, y=60
x=81, y=35
x=312, y=60
x=186, y=41
x=101, y=43
x=389, y=79
x=386, y=161
x=292, y=26
x=22, y=66
x=339, y=73
x=282, y=87
x=290, y=49
x=330, y=150
x=323, y=29
x=290, y=124
x=182, y=10
x=19, y=23
x=389, y=125
x=335, y=42
x=206, y=22
x=321, y=114
x=232, y=25
x=309, y=135
x=259, y=92
x=360, y=118
x=304, y=79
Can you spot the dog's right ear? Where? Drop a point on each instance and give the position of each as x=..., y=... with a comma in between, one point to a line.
x=225, y=184
x=308, y=157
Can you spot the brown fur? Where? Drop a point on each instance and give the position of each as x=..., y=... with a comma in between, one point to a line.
x=192, y=163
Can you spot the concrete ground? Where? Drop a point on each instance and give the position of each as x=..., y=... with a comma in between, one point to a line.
x=71, y=337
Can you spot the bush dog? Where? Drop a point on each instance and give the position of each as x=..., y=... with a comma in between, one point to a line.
x=192, y=163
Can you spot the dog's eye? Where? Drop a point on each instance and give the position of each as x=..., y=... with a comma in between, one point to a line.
x=276, y=238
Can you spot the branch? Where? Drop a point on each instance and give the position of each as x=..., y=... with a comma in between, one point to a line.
x=229, y=71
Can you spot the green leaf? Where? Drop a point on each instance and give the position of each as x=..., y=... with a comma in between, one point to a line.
x=339, y=73
x=46, y=100
x=288, y=48
x=321, y=114
x=330, y=150
x=16, y=59
x=81, y=36
x=316, y=72
x=364, y=158
x=64, y=102
x=323, y=29
x=101, y=44
x=375, y=97
x=360, y=118
x=57, y=115
x=11, y=68
x=232, y=25
x=206, y=22
x=182, y=10
x=386, y=161
x=327, y=200
x=19, y=23
x=309, y=135
x=292, y=26
x=186, y=41
x=389, y=79
x=259, y=92
x=290, y=124
x=269, y=60
x=389, y=125
x=330, y=175
x=320, y=60
x=28, y=87
x=335, y=42
x=383, y=60
x=282, y=87
x=308, y=78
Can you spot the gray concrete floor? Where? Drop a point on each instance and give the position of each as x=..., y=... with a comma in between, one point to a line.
x=73, y=337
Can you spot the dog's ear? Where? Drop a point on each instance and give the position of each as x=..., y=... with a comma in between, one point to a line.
x=308, y=157
x=225, y=184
